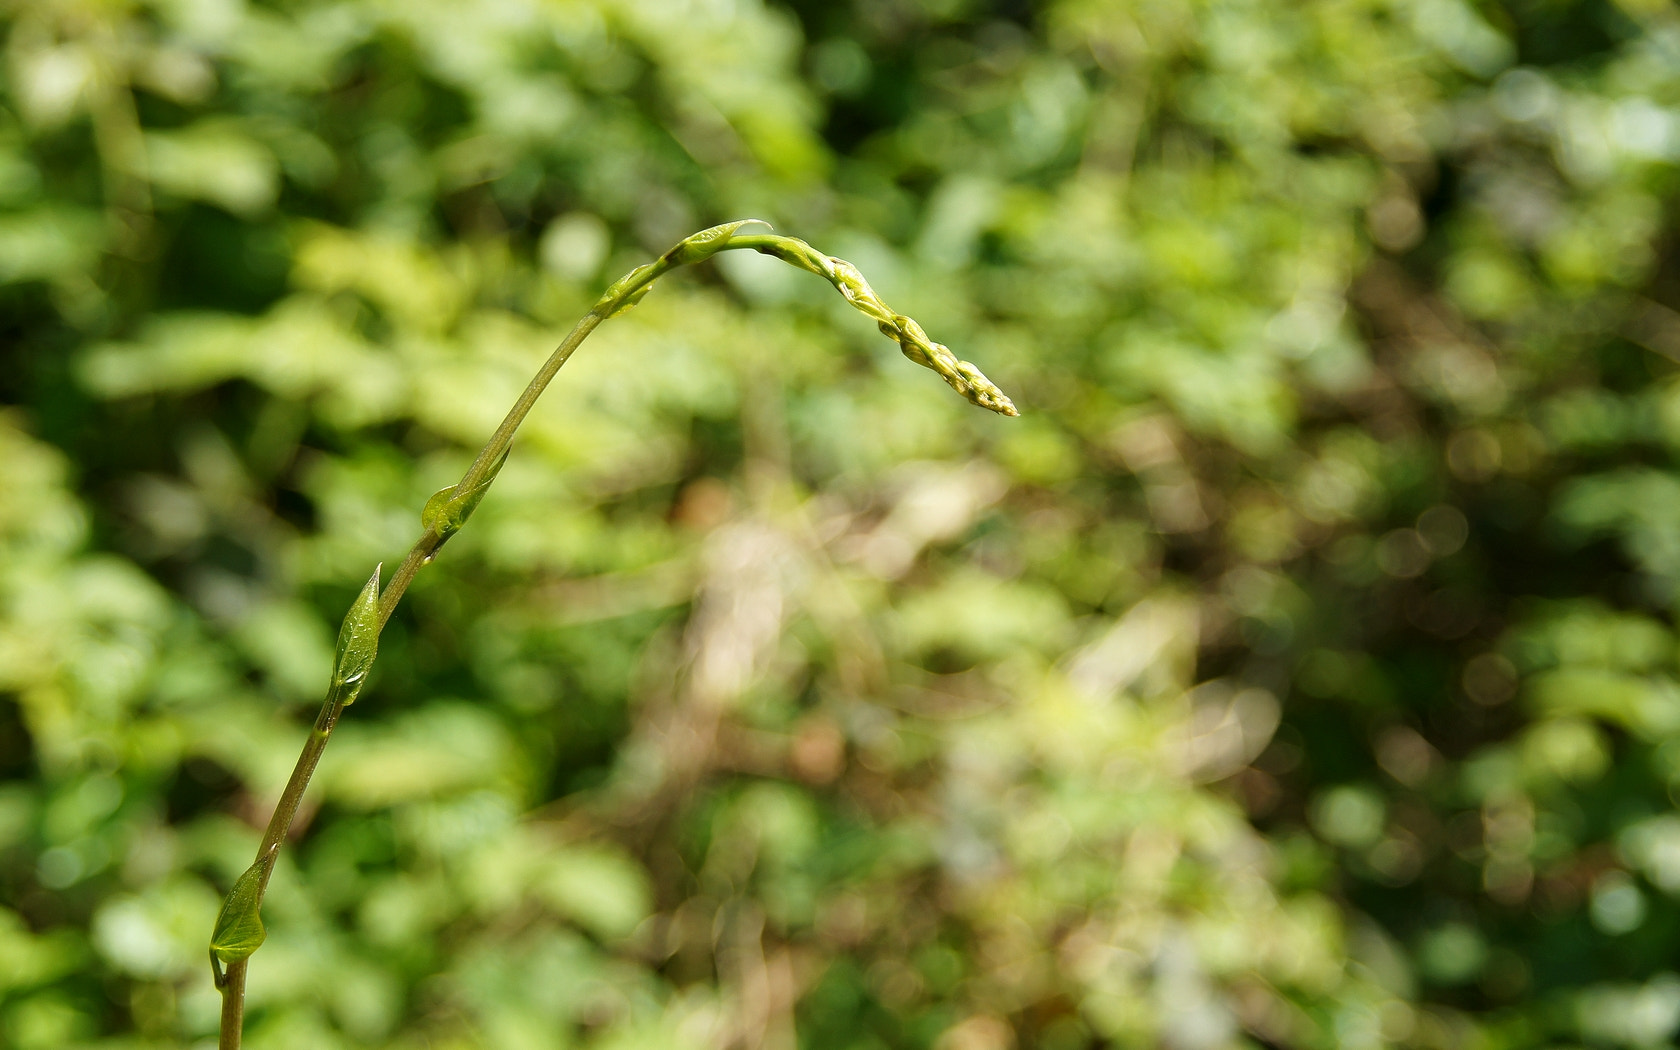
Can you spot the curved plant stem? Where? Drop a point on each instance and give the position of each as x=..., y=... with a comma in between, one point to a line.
x=447, y=511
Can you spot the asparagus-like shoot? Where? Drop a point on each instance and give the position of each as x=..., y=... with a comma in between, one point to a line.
x=239, y=929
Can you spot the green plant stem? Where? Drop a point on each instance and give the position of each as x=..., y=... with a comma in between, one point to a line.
x=961, y=375
x=426, y=547
x=279, y=824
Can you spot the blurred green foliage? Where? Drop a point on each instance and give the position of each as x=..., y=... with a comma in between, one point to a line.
x=1300, y=671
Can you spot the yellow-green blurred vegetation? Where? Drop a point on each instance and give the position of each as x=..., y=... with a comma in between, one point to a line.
x=1299, y=671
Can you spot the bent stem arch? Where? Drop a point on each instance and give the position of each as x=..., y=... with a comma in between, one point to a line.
x=239, y=930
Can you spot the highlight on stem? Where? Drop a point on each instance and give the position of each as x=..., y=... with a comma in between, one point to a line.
x=239, y=930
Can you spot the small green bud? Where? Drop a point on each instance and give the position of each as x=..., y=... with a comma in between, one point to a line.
x=796, y=252
x=707, y=243
x=358, y=642
x=629, y=290
x=447, y=510
x=857, y=291
x=631, y=299
x=239, y=928
x=961, y=376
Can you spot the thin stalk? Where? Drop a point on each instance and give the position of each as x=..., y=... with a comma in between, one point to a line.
x=233, y=984
x=447, y=511
x=426, y=547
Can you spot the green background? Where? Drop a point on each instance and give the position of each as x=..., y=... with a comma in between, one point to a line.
x=1298, y=671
